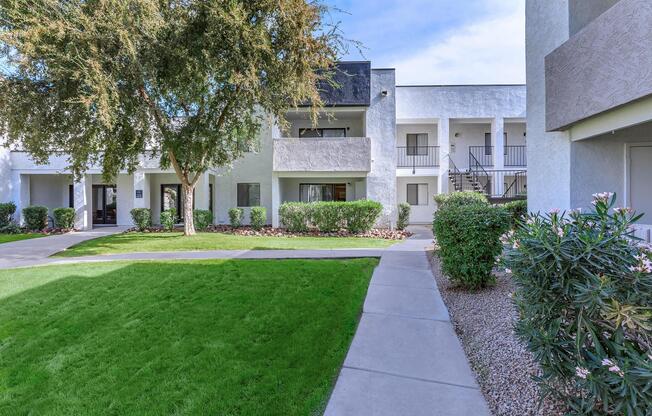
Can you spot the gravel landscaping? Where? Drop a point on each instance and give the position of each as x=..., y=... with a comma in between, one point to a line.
x=483, y=321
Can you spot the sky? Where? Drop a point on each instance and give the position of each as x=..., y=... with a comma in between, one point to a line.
x=437, y=41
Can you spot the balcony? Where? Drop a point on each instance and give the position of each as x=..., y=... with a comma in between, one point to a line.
x=515, y=156
x=417, y=157
x=337, y=154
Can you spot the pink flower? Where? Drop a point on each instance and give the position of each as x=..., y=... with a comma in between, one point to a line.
x=623, y=210
x=554, y=211
x=582, y=372
x=617, y=370
x=607, y=362
x=508, y=271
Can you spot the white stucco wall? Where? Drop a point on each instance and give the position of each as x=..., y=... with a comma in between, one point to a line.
x=402, y=130
x=50, y=191
x=355, y=187
x=419, y=214
x=549, y=154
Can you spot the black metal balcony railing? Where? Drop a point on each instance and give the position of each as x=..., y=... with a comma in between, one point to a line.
x=515, y=156
x=481, y=156
x=418, y=157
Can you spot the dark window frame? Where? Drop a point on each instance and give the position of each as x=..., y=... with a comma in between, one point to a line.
x=407, y=195
x=487, y=147
x=333, y=192
x=321, y=131
x=248, y=203
x=416, y=149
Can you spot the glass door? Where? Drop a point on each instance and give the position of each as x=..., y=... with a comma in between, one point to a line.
x=105, y=207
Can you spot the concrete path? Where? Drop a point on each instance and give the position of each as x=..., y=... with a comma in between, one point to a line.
x=37, y=250
x=405, y=358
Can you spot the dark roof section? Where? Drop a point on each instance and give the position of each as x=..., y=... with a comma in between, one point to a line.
x=353, y=89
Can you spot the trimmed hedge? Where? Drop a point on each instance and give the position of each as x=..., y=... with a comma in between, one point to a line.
x=354, y=216
x=469, y=241
x=169, y=218
x=585, y=305
x=257, y=217
x=202, y=218
x=7, y=211
x=142, y=218
x=235, y=217
x=64, y=218
x=460, y=198
x=36, y=217
x=403, y=215
x=517, y=211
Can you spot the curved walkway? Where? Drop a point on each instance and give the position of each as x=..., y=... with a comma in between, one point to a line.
x=405, y=358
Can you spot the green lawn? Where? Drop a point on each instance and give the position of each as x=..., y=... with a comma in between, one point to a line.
x=141, y=242
x=8, y=238
x=218, y=337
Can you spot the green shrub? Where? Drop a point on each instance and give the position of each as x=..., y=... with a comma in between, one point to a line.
x=460, y=198
x=517, y=211
x=361, y=216
x=403, y=215
x=169, y=218
x=142, y=218
x=64, y=218
x=235, y=217
x=7, y=211
x=328, y=217
x=584, y=295
x=11, y=228
x=469, y=241
x=203, y=218
x=36, y=217
x=295, y=216
x=257, y=217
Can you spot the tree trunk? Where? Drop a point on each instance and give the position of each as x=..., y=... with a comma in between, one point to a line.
x=188, y=219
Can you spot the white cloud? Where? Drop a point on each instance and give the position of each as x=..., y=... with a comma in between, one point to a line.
x=483, y=52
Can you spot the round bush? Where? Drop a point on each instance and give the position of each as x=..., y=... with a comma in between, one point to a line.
x=517, y=211
x=142, y=218
x=203, y=218
x=7, y=210
x=257, y=217
x=36, y=217
x=469, y=242
x=328, y=216
x=236, y=216
x=361, y=216
x=403, y=215
x=460, y=198
x=169, y=218
x=295, y=216
x=64, y=218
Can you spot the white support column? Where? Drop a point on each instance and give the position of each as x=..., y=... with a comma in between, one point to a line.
x=444, y=141
x=20, y=194
x=83, y=191
x=276, y=199
x=202, y=192
x=498, y=139
x=141, y=190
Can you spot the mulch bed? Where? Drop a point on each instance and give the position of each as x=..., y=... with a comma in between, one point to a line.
x=504, y=368
x=382, y=233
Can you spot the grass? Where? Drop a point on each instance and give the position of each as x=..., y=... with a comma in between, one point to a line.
x=8, y=238
x=220, y=337
x=143, y=242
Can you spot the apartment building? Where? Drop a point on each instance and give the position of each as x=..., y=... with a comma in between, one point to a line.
x=589, y=103
x=374, y=140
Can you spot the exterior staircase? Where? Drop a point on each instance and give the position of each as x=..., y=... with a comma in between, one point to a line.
x=466, y=181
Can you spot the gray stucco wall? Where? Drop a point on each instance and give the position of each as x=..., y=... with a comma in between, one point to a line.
x=381, y=129
x=6, y=188
x=349, y=154
x=548, y=153
x=604, y=66
x=583, y=12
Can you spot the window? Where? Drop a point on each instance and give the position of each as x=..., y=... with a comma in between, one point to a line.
x=210, y=197
x=328, y=132
x=487, y=144
x=417, y=144
x=248, y=194
x=417, y=193
x=315, y=192
x=71, y=196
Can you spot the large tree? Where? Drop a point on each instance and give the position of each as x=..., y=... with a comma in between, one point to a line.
x=189, y=81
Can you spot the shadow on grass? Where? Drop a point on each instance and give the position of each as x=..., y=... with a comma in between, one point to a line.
x=253, y=337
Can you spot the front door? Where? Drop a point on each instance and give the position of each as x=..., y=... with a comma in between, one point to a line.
x=105, y=210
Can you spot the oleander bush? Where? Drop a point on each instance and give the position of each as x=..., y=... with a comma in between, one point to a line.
x=169, y=218
x=203, y=218
x=257, y=218
x=142, y=218
x=236, y=215
x=460, y=198
x=517, y=211
x=469, y=241
x=403, y=215
x=64, y=218
x=7, y=211
x=584, y=295
x=36, y=217
x=328, y=217
x=295, y=216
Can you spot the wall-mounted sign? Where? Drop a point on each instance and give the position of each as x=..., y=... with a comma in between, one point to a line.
x=139, y=193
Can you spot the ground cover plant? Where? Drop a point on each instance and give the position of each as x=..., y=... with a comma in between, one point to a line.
x=584, y=293
x=261, y=337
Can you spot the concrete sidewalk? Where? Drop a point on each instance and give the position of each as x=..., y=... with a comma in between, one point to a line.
x=405, y=358
x=37, y=250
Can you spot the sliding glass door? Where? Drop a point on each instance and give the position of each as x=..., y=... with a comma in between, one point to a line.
x=105, y=207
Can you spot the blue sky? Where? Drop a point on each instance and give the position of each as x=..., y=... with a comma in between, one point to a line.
x=439, y=41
